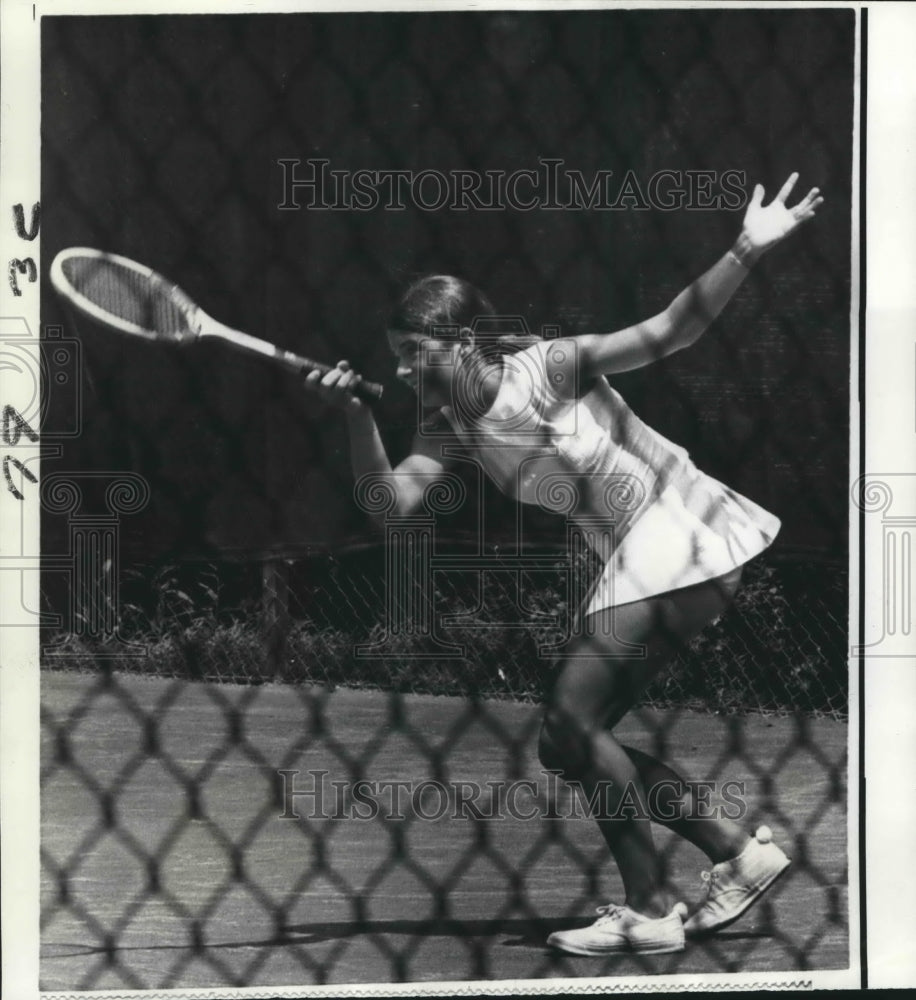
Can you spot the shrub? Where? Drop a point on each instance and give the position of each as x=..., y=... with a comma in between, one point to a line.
x=781, y=646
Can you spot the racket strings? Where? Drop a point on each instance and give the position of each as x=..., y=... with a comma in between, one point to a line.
x=127, y=295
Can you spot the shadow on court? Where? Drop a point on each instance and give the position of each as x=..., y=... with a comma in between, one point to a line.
x=166, y=863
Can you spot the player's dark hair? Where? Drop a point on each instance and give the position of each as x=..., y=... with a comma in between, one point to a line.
x=439, y=305
x=439, y=301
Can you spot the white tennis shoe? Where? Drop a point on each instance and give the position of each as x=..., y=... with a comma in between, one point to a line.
x=620, y=930
x=734, y=886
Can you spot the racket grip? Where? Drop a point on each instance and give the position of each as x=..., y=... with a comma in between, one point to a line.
x=368, y=392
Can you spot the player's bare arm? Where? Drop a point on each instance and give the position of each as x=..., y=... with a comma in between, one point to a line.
x=411, y=477
x=693, y=310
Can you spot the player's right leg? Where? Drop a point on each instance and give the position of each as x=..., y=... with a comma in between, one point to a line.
x=678, y=805
x=743, y=866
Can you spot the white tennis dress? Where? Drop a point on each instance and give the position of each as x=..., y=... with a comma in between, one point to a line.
x=661, y=523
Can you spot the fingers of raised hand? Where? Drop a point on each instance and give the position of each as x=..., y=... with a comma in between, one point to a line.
x=806, y=208
x=786, y=189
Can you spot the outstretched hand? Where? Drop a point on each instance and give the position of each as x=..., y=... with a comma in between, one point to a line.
x=766, y=225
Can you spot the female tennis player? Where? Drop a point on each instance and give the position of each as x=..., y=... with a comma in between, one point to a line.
x=546, y=416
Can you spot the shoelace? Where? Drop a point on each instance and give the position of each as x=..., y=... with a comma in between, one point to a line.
x=710, y=878
x=610, y=912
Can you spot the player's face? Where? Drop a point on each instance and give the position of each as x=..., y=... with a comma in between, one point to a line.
x=427, y=365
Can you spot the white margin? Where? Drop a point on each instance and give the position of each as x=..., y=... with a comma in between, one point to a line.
x=890, y=683
x=20, y=169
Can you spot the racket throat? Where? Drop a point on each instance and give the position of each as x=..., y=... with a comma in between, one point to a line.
x=249, y=345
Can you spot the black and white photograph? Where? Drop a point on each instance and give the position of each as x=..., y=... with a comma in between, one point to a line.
x=436, y=498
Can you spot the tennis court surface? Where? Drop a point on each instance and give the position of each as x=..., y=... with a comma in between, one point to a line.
x=166, y=863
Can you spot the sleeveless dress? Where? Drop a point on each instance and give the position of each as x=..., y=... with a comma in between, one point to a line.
x=660, y=523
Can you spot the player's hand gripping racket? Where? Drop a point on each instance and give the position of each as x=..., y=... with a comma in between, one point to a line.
x=132, y=299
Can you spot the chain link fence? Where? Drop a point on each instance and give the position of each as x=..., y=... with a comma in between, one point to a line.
x=218, y=643
x=780, y=648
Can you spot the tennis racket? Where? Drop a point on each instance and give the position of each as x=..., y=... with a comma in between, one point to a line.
x=130, y=298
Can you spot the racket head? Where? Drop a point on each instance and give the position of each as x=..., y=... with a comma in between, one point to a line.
x=125, y=296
